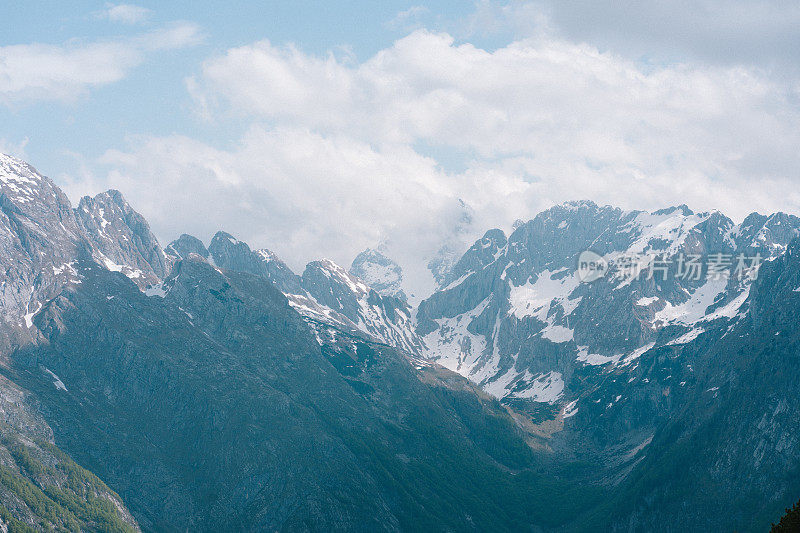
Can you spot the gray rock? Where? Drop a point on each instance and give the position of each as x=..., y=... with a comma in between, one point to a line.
x=122, y=238
x=185, y=245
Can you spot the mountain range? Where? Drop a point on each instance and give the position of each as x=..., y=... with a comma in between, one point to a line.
x=211, y=388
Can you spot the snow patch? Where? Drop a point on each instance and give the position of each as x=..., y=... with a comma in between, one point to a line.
x=693, y=309
x=453, y=346
x=596, y=359
x=29, y=316
x=545, y=388
x=571, y=409
x=456, y=283
x=637, y=353
x=156, y=290
x=687, y=337
x=535, y=299
x=59, y=385
x=557, y=334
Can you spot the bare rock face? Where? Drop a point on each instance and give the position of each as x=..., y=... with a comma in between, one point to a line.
x=39, y=241
x=207, y=401
x=214, y=388
x=42, y=238
x=122, y=238
x=630, y=370
x=230, y=253
x=220, y=400
x=384, y=318
x=325, y=292
x=514, y=316
x=186, y=245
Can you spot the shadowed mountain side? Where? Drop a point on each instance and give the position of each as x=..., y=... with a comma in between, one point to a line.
x=213, y=407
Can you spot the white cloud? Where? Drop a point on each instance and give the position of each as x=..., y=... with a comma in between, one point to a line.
x=408, y=19
x=757, y=32
x=343, y=155
x=32, y=72
x=302, y=194
x=16, y=149
x=561, y=110
x=124, y=13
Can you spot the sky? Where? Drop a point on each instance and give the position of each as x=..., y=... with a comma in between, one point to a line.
x=318, y=129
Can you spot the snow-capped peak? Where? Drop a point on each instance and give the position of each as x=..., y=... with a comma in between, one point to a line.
x=379, y=272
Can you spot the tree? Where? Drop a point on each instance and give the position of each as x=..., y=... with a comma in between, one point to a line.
x=790, y=522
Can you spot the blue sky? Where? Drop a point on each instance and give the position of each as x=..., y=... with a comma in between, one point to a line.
x=152, y=98
x=317, y=129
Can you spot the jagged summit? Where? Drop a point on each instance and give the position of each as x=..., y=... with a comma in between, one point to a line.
x=20, y=181
x=45, y=241
x=507, y=301
x=480, y=254
x=185, y=245
x=122, y=237
x=683, y=209
x=228, y=252
x=119, y=239
x=577, y=204
x=379, y=272
x=331, y=282
x=653, y=385
x=326, y=293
